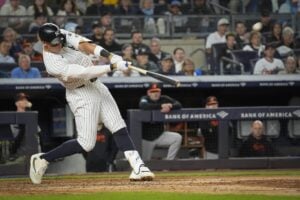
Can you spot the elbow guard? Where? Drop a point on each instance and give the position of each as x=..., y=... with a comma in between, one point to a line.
x=104, y=53
x=100, y=51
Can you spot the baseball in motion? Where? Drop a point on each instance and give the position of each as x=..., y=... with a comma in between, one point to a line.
x=257, y=26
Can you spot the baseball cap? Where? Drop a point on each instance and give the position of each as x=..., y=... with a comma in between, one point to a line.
x=142, y=51
x=154, y=87
x=211, y=100
x=223, y=21
x=175, y=3
x=21, y=96
x=167, y=58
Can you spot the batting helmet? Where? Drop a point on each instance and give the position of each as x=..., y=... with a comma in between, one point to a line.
x=50, y=33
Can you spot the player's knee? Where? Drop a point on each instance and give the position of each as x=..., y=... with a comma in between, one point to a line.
x=88, y=146
x=178, y=138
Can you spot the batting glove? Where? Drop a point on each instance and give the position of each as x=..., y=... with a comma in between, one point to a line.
x=115, y=58
x=121, y=65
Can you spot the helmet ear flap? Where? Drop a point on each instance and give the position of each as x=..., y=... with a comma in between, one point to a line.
x=62, y=38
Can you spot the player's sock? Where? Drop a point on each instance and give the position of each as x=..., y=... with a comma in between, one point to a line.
x=126, y=145
x=65, y=149
x=123, y=140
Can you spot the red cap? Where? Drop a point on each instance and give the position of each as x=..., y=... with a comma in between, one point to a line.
x=154, y=87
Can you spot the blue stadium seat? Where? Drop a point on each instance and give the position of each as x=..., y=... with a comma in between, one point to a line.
x=245, y=57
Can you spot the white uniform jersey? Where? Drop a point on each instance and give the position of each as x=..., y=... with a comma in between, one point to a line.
x=60, y=65
x=90, y=102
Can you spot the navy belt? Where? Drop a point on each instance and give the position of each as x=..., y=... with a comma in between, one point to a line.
x=91, y=80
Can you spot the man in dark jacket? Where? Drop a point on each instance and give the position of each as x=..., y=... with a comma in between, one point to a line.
x=154, y=134
x=257, y=144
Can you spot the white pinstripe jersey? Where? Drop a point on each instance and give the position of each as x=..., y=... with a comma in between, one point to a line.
x=58, y=65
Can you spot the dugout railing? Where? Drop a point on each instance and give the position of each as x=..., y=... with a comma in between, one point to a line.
x=225, y=115
x=30, y=121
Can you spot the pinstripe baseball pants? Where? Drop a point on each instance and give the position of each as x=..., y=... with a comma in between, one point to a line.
x=90, y=105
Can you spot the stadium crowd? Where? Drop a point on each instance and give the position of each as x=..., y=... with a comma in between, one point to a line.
x=102, y=20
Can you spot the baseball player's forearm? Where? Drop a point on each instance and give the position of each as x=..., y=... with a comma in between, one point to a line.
x=87, y=73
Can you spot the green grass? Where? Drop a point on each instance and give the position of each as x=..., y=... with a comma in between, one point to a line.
x=148, y=196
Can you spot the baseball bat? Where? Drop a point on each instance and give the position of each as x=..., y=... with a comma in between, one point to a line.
x=157, y=76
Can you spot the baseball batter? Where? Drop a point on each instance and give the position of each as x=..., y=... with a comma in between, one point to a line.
x=66, y=57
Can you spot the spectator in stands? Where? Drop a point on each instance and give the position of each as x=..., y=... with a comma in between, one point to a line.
x=97, y=33
x=105, y=20
x=112, y=3
x=189, y=69
x=143, y=62
x=166, y=66
x=257, y=144
x=12, y=36
x=147, y=8
x=161, y=7
x=288, y=42
x=154, y=134
x=4, y=52
x=242, y=36
x=178, y=57
x=127, y=54
x=268, y=64
x=266, y=20
x=39, y=7
x=137, y=42
x=255, y=43
x=156, y=54
x=39, y=20
x=126, y=7
x=217, y=36
x=290, y=66
x=25, y=70
x=18, y=150
x=179, y=20
x=122, y=24
x=34, y=55
x=276, y=33
x=225, y=52
x=97, y=8
x=13, y=8
x=200, y=8
x=109, y=41
x=66, y=8
x=235, y=6
x=289, y=7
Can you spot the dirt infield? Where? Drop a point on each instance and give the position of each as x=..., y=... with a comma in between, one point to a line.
x=274, y=185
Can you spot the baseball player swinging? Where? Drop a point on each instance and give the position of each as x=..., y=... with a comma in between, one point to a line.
x=66, y=58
